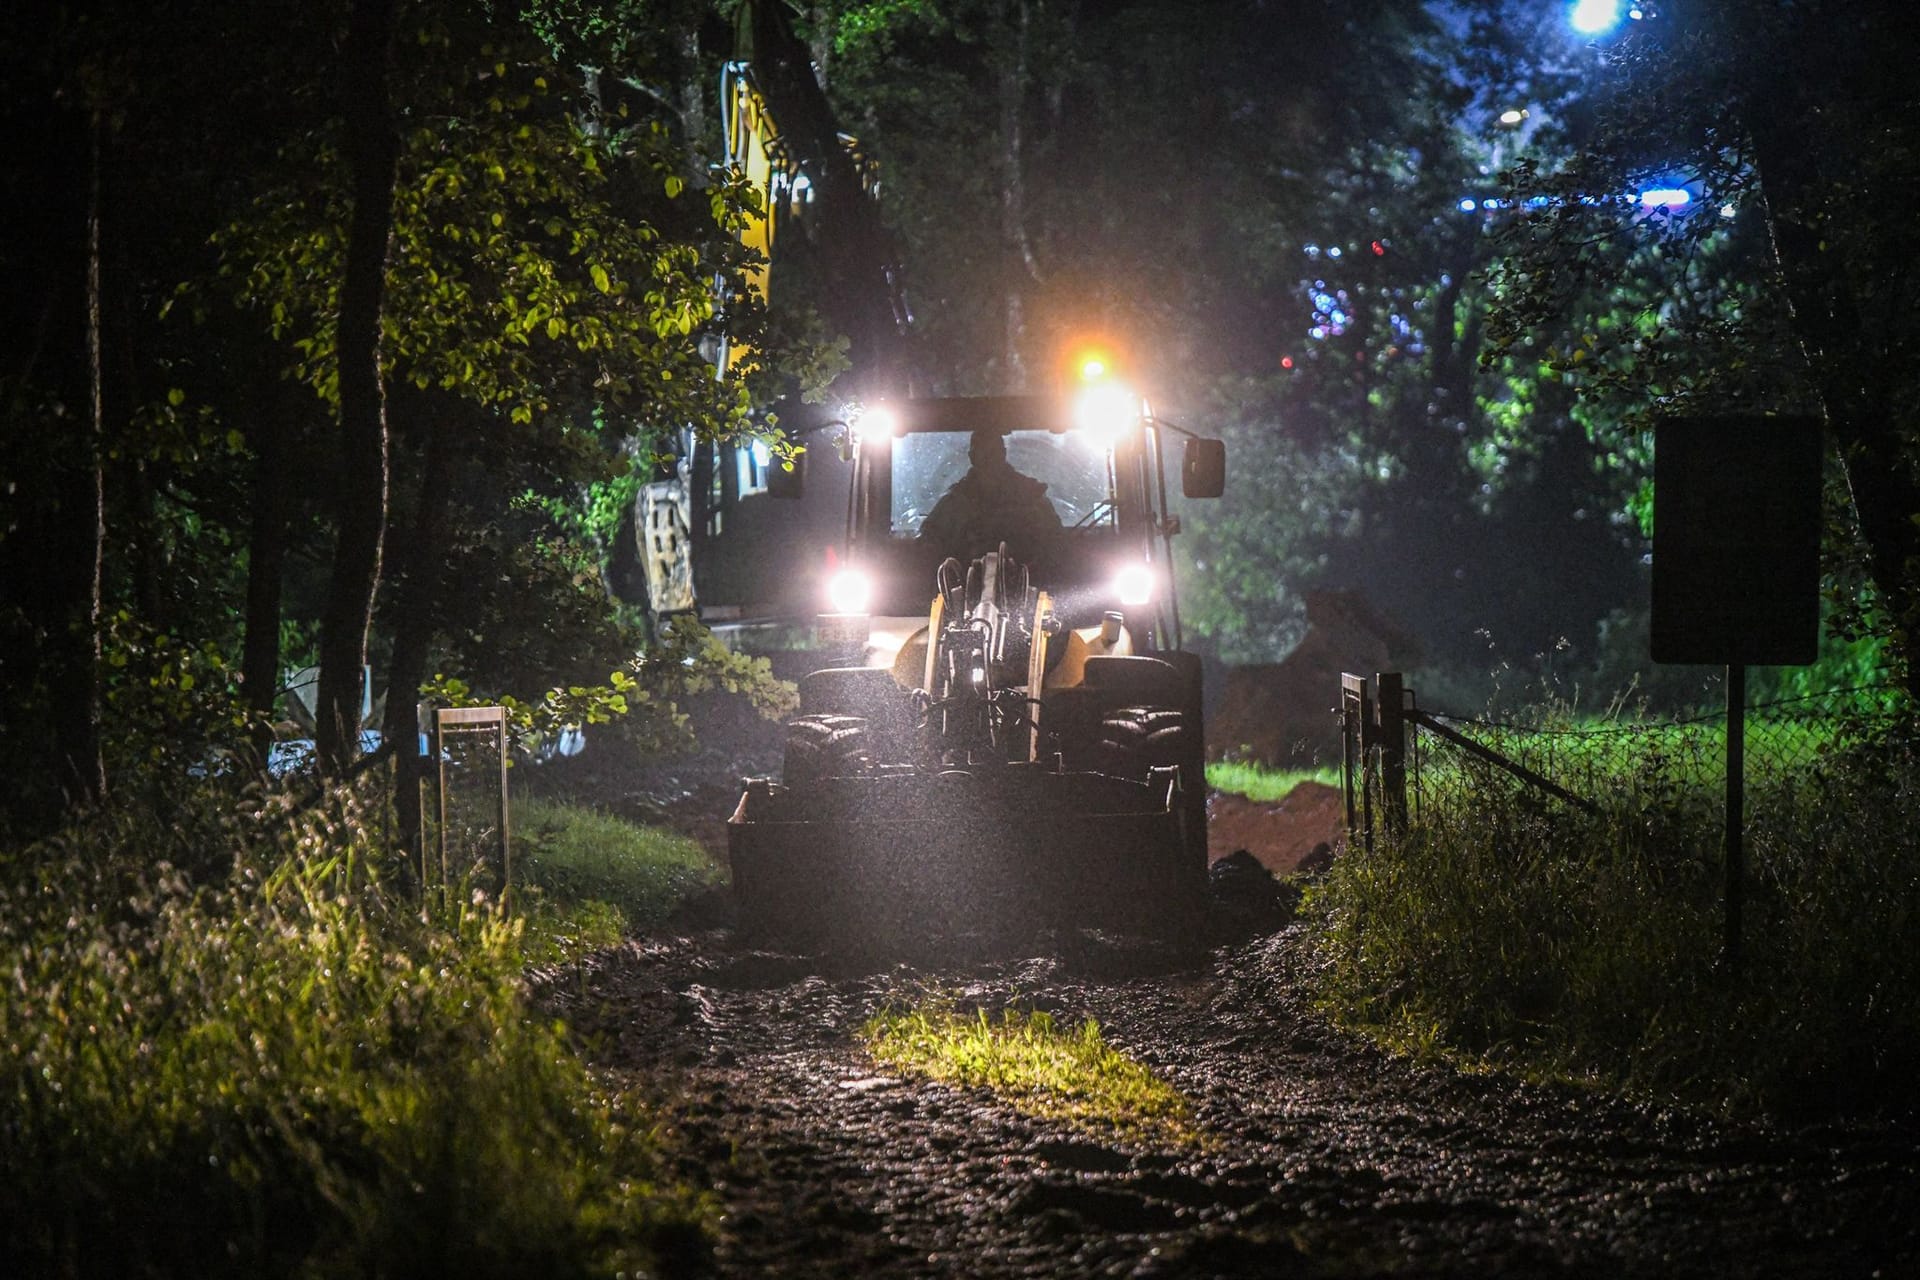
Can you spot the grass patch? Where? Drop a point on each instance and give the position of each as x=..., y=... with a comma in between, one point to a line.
x=1263, y=785
x=1040, y=1068
x=230, y=1050
x=589, y=878
x=1529, y=935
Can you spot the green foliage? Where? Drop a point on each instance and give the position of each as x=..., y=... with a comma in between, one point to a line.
x=535, y=250
x=1520, y=932
x=1774, y=292
x=173, y=704
x=595, y=877
x=1041, y=1069
x=1266, y=786
x=684, y=660
x=229, y=1051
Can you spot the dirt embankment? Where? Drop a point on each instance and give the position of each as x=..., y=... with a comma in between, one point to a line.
x=1304, y=828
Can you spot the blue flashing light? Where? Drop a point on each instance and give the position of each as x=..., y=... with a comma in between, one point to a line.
x=1594, y=17
x=1666, y=198
x=1468, y=206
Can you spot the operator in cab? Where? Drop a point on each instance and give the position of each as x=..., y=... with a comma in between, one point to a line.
x=993, y=503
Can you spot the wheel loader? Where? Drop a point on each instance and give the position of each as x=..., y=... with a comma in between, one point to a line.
x=1007, y=737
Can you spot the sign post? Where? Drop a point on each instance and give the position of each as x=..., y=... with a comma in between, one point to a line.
x=1736, y=573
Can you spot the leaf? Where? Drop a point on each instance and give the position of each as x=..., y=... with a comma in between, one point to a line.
x=675, y=185
x=600, y=280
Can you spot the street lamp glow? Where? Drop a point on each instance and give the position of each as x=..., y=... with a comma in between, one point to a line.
x=1592, y=17
x=1666, y=198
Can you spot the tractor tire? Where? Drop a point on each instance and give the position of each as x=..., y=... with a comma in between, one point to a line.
x=1132, y=740
x=824, y=746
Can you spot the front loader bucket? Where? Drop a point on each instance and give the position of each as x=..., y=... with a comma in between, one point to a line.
x=901, y=858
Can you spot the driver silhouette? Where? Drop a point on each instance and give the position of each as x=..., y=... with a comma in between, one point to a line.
x=992, y=503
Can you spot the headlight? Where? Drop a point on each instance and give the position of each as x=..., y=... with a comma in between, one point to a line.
x=849, y=590
x=879, y=422
x=1104, y=413
x=1134, y=584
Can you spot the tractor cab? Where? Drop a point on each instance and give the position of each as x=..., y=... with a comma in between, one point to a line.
x=1074, y=491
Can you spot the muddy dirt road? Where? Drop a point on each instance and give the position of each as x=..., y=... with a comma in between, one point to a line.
x=1320, y=1156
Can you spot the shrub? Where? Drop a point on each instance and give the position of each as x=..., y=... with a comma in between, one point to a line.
x=282, y=1068
x=1530, y=934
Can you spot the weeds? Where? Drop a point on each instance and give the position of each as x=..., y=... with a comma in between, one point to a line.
x=278, y=1067
x=1040, y=1068
x=1523, y=932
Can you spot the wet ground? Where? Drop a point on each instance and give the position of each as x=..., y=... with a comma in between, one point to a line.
x=1317, y=1154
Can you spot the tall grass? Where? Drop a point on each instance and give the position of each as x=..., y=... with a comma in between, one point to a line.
x=1508, y=927
x=226, y=1049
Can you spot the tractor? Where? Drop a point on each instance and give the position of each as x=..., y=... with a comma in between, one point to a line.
x=1007, y=735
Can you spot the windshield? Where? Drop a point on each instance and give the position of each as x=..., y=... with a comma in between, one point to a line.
x=1076, y=472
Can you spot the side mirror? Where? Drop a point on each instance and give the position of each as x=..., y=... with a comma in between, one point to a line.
x=1203, y=468
x=782, y=483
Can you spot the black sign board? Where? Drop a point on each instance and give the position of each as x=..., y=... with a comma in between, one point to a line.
x=1736, y=541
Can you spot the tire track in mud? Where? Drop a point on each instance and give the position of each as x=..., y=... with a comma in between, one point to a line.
x=1321, y=1155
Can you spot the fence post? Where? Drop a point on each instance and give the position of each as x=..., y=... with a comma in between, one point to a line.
x=1356, y=738
x=466, y=724
x=1390, y=706
x=439, y=742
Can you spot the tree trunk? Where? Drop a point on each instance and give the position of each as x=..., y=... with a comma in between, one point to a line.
x=419, y=583
x=1850, y=371
x=1013, y=201
x=82, y=769
x=360, y=503
x=266, y=573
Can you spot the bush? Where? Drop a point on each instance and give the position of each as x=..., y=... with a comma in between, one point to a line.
x=281, y=1068
x=1523, y=932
